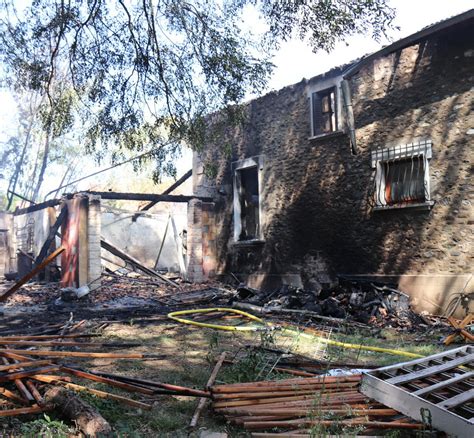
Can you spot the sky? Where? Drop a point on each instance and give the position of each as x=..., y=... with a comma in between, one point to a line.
x=295, y=61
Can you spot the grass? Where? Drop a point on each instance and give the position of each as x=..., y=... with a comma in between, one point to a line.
x=46, y=427
x=192, y=353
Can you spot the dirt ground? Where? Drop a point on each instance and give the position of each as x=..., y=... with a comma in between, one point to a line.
x=189, y=357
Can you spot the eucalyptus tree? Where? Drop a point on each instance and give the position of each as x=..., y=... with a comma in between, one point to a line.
x=145, y=73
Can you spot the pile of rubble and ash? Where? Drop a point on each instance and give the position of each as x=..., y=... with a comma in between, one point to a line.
x=364, y=302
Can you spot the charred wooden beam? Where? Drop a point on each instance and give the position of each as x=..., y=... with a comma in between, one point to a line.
x=31, y=274
x=37, y=207
x=51, y=236
x=172, y=187
x=148, y=197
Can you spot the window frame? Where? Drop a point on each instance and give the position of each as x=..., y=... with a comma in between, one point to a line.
x=331, y=95
x=247, y=163
x=380, y=157
x=322, y=86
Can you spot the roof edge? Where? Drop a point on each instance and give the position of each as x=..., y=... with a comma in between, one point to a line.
x=409, y=40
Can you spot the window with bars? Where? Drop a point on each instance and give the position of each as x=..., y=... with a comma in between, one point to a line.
x=324, y=111
x=404, y=181
x=402, y=176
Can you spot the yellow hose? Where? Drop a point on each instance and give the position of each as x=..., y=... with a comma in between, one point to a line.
x=173, y=315
x=357, y=346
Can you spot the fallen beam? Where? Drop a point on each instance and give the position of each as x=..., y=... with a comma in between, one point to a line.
x=133, y=261
x=202, y=401
x=31, y=274
x=91, y=354
x=51, y=236
x=100, y=394
x=21, y=411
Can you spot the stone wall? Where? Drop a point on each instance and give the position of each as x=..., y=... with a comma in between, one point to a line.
x=316, y=192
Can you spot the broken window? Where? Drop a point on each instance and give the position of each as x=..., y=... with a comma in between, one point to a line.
x=402, y=175
x=404, y=181
x=324, y=111
x=247, y=200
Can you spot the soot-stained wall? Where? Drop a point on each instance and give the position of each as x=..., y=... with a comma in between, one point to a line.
x=316, y=193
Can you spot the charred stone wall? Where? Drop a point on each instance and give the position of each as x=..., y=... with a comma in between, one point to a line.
x=315, y=197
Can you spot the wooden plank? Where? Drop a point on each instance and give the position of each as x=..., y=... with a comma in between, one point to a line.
x=126, y=386
x=17, y=365
x=444, y=384
x=81, y=354
x=457, y=400
x=202, y=401
x=31, y=274
x=410, y=377
x=100, y=394
x=21, y=411
x=27, y=373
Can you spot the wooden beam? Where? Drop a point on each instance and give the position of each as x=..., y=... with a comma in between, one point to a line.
x=31, y=274
x=37, y=207
x=148, y=197
x=172, y=187
x=52, y=234
x=133, y=261
x=203, y=400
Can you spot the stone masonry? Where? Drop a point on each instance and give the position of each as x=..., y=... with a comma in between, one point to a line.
x=317, y=194
x=94, y=231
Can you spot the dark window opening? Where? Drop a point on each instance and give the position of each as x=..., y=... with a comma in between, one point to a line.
x=404, y=181
x=324, y=111
x=249, y=203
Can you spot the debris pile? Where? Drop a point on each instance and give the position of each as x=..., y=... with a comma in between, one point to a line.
x=304, y=403
x=362, y=302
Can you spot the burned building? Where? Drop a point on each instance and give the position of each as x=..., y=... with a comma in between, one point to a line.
x=361, y=171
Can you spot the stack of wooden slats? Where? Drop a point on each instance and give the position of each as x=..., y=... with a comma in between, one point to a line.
x=304, y=403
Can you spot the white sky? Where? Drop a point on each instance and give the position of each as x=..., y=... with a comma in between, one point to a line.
x=295, y=61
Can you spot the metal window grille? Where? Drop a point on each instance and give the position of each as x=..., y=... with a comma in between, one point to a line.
x=401, y=175
x=404, y=181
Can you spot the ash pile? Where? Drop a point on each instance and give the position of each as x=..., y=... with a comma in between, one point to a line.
x=361, y=301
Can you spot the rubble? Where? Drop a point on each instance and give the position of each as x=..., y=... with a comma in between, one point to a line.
x=363, y=302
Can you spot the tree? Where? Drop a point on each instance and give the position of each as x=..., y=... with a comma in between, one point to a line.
x=146, y=72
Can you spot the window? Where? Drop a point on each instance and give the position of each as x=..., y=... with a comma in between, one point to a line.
x=324, y=111
x=402, y=176
x=247, y=206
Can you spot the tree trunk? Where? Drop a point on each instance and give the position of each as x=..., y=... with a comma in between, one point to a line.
x=70, y=406
x=44, y=164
